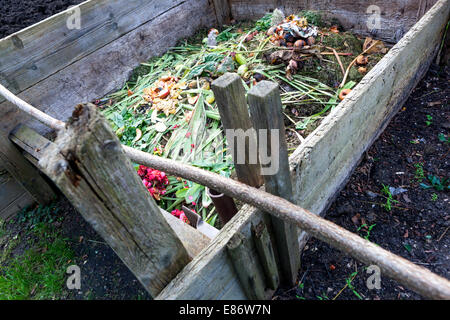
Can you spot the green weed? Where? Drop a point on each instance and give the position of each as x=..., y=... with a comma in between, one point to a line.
x=419, y=174
x=389, y=198
x=369, y=229
x=350, y=286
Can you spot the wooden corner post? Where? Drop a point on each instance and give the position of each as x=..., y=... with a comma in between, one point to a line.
x=230, y=96
x=24, y=172
x=88, y=164
x=266, y=111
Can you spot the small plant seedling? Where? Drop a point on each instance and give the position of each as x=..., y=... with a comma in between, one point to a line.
x=323, y=296
x=408, y=247
x=389, y=198
x=419, y=174
x=369, y=228
x=429, y=120
x=434, y=196
x=300, y=288
x=350, y=286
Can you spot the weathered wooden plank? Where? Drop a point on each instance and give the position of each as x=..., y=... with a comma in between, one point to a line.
x=35, y=145
x=11, y=195
x=24, y=173
x=193, y=240
x=266, y=114
x=230, y=97
x=199, y=279
x=395, y=17
x=22, y=201
x=37, y=52
x=108, y=67
x=10, y=190
x=30, y=141
x=90, y=167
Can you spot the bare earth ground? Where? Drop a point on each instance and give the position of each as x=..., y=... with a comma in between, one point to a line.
x=417, y=228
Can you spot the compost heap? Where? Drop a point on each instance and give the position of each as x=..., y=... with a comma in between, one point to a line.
x=169, y=109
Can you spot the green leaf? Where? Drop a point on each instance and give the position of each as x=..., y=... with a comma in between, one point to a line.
x=193, y=193
x=181, y=193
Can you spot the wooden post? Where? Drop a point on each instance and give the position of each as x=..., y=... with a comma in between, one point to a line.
x=266, y=111
x=266, y=254
x=223, y=11
x=88, y=164
x=230, y=96
x=35, y=147
x=24, y=172
x=246, y=267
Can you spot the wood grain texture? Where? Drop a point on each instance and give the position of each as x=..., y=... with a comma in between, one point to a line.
x=396, y=18
x=266, y=255
x=89, y=166
x=374, y=101
x=24, y=173
x=266, y=114
x=15, y=205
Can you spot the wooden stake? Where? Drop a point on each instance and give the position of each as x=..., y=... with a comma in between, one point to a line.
x=223, y=11
x=230, y=96
x=246, y=267
x=90, y=167
x=266, y=111
x=266, y=254
x=24, y=172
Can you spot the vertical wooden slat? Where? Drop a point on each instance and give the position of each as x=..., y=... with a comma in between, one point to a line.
x=24, y=172
x=266, y=254
x=250, y=275
x=223, y=11
x=88, y=164
x=266, y=111
x=230, y=96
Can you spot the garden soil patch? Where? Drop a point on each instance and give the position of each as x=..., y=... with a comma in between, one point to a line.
x=103, y=275
x=18, y=14
x=414, y=147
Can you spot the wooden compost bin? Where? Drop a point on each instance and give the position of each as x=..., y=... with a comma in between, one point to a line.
x=55, y=68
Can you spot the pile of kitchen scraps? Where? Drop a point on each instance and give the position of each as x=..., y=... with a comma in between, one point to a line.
x=167, y=108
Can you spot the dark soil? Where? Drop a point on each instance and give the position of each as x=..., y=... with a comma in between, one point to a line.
x=103, y=274
x=417, y=227
x=18, y=14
